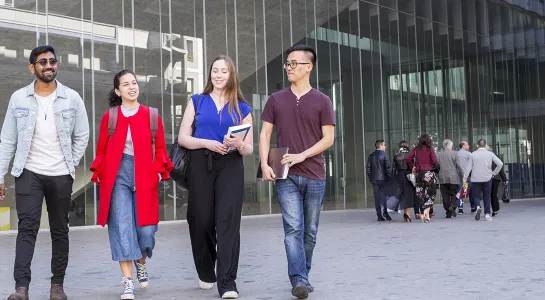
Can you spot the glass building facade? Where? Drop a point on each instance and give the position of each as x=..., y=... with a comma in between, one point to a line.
x=394, y=69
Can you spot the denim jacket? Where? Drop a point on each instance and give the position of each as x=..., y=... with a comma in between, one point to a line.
x=18, y=129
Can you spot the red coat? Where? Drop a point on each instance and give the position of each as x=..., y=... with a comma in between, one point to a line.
x=108, y=158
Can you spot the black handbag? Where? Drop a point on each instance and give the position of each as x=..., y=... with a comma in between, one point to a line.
x=506, y=194
x=180, y=156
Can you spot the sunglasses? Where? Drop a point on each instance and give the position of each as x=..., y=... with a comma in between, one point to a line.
x=43, y=62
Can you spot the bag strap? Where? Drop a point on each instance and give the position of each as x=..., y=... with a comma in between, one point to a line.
x=112, y=120
x=154, y=122
x=196, y=107
x=154, y=127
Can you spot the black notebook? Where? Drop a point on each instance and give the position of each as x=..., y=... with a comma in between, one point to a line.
x=274, y=161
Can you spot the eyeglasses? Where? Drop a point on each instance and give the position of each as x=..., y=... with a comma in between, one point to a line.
x=43, y=62
x=293, y=64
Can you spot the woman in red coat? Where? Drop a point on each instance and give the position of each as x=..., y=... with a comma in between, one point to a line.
x=129, y=175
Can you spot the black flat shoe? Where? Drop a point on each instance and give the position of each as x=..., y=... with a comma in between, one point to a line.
x=387, y=216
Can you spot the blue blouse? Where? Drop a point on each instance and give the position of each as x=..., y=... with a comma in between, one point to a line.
x=208, y=124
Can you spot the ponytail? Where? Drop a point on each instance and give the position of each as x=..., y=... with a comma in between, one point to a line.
x=113, y=99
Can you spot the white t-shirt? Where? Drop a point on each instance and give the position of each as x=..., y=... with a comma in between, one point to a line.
x=45, y=156
x=129, y=112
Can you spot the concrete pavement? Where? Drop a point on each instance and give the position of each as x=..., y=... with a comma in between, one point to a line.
x=355, y=258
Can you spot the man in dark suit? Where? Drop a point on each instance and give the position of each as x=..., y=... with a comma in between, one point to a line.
x=379, y=172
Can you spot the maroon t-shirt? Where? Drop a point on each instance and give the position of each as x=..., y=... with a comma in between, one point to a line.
x=299, y=126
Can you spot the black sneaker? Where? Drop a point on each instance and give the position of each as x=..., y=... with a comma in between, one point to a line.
x=461, y=211
x=478, y=214
x=473, y=210
x=453, y=212
x=495, y=213
x=380, y=219
x=300, y=291
x=387, y=216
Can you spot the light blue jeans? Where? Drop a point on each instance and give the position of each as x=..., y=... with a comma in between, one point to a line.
x=301, y=201
x=128, y=241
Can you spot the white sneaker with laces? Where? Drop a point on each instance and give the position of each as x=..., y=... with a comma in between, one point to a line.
x=128, y=292
x=488, y=217
x=205, y=285
x=229, y=295
x=141, y=274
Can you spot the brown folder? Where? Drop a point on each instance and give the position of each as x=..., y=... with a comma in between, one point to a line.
x=274, y=161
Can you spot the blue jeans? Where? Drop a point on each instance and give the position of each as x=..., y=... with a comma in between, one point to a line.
x=300, y=200
x=128, y=241
x=484, y=189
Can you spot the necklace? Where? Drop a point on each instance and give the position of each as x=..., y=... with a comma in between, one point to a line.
x=48, y=105
x=216, y=102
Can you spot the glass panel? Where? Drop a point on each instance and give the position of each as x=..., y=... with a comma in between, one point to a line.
x=407, y=6
x=353, y=108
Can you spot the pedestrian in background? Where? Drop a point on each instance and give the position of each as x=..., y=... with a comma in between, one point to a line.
x=379, y=173
x=407, y=191
x=422, y=161
x=449, y=178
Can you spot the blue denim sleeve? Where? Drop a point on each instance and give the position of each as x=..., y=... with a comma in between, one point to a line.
x=80, y=135
x=8, y=140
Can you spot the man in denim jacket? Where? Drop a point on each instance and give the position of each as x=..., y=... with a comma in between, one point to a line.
x=46, y=127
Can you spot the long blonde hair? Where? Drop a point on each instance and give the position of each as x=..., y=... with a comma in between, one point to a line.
x=231, y=91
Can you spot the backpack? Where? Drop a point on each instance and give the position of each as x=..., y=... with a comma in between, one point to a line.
x=154, y=124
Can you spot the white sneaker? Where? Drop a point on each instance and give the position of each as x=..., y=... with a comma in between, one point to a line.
x=230, y=295
x=205, y=285
x=128, y=292
x=488, y=217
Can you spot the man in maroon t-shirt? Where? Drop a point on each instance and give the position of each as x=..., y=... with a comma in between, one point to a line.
x=305, y=123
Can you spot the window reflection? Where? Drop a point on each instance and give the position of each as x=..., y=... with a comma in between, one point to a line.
x=458, y=69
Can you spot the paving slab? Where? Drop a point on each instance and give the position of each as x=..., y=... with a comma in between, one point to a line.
x=356, y=257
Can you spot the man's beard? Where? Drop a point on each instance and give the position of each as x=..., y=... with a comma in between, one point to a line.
x=44, y=78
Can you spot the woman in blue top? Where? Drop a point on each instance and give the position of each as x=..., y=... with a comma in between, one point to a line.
x=216, y=175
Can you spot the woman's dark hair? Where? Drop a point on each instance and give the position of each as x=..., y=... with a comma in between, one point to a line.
x=113, y=99
x=424, y=140
x=403, y=144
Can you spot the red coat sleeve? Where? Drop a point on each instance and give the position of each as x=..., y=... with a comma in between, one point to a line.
x=433, y=157
x=162, y=162
x=101, y=148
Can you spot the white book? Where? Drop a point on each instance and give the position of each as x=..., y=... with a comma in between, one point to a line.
x=240, y=130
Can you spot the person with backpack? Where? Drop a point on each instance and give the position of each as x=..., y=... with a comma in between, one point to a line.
x=216, y=175
x=130, y=161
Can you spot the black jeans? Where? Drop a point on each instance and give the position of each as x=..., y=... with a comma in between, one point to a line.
x=214, y=209
x=378, y=185
x=448, y=195
x=495, y=200
x=30, y=190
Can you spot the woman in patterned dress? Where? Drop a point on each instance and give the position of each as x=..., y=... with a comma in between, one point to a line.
x=423, y=161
